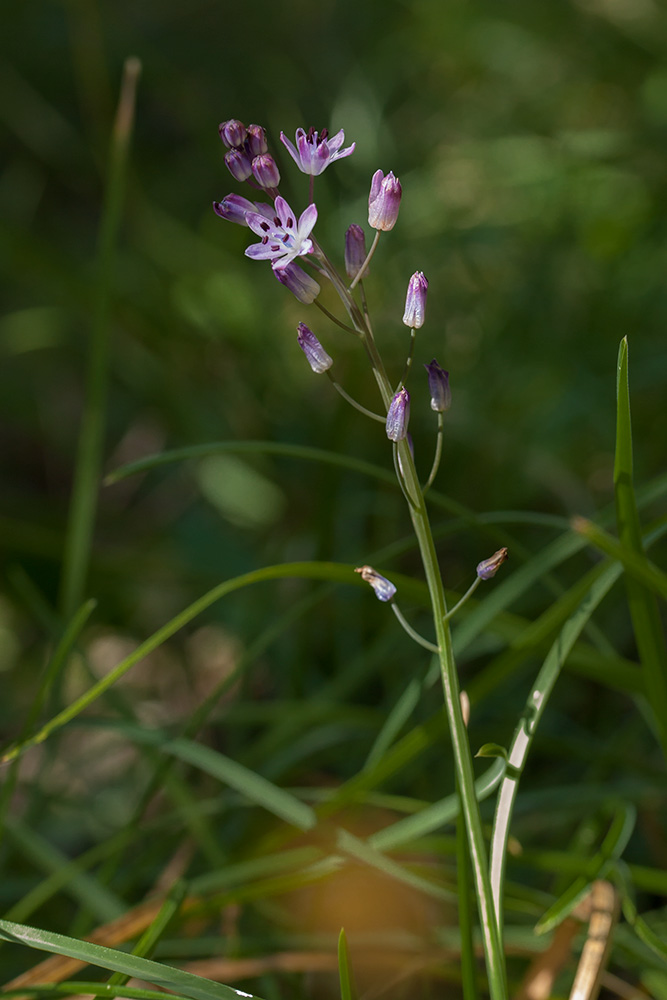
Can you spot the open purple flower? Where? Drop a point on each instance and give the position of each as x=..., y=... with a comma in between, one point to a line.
x=314, y=151
x=283, y=238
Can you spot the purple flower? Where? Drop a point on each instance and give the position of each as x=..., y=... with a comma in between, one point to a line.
x=489, y=567
x=318, y=359
x=415, y=301
x=265, y=171
x=256, y=140
x=383, y=201
x=239, y=165
x=398, y=415
x=235, y=208
x=233, y=133
x=438, y=386
x=282, y=239
x=299, y=282
x=384, y=588
x=355, y=251
x=314, y=151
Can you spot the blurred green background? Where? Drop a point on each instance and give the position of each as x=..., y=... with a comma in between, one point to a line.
x=530, y=140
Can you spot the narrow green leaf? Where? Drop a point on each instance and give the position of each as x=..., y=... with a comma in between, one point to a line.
x=160, y=975
x=492, y=750
x=612, y=847
x=646, y=623
x=148, y=941
x=344, y=971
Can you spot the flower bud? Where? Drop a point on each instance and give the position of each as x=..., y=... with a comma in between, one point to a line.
x=298, y=281
x=489, y=567
x=256, y=140
x=438, y=385
x=238, y=164
x=318, y=359
x=384, y=201
x=265, y=171
x=233, y=133
x=355, y=251
x=415, y=301
x=384, y=588
x=398, y=415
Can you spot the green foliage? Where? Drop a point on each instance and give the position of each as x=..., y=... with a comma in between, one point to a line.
x=200, y=697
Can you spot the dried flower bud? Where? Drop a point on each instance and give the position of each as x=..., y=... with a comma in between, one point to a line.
x=384, y=588
x=318, y=359
x=398, y=415
x=415, y=301
x=384, y=201
x=238, y=163
x=233, y=133
x=299, y=282
x=355, y=251
x=438, y=386
x=489, y=567
x=256, y=140
x=265, y=171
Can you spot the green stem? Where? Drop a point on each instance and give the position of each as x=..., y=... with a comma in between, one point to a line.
x=436, y=458
x=405, y=624
x=469, y=592
x=83, y=505
x=348, y=399
x=461, y=748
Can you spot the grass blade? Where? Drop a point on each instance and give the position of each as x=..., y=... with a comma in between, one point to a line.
x=646, y=623
x=344, y=972
x=117, y=961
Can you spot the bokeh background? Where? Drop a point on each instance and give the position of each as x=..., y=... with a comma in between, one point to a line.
x=530, y=140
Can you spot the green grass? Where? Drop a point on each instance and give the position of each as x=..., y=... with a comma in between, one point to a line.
x=218, y=747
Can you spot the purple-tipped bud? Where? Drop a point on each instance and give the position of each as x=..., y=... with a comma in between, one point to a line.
x=299, y=282
x=265, y=171
x=489, y=567
x=234, y=208
x=384, y=588
x=438, y=386
x=238, y=163
x=415, y=301
x=317, y=357
x=256, y=140
x=233, y=133
x=355, y=251
x=384, y=201
x=398, y=415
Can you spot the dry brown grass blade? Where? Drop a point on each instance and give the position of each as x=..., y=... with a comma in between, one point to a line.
x=600, y=909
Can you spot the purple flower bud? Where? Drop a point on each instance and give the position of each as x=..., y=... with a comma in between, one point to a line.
x=265, y=171
x=398, y=415
x=384, y=201
x=415, y=301
x=318, y=359
x=489, y=567
x=438, y=386
x=299, y=282
x=355, y=251
x=233, y=133
x=256, y=140
x=234, y=208
x=238, y=163
x=384, y=588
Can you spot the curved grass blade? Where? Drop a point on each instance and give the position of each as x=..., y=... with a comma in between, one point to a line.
x=248, y=783
x=160, y=975
x=646, y=623
x=344, y=971
x=334, y=572
x=612, y=847
x=149, y=940
x=529, y=721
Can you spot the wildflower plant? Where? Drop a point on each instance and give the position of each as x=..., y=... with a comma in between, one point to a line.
x=287, y=237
